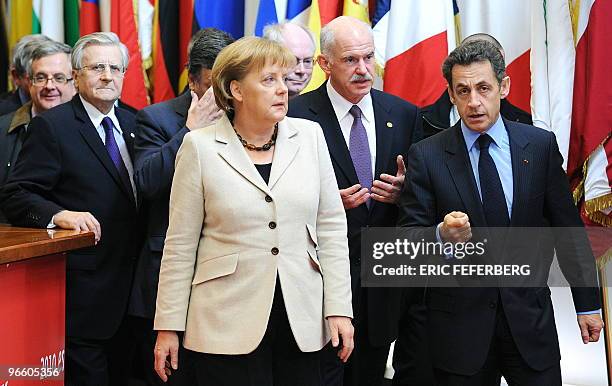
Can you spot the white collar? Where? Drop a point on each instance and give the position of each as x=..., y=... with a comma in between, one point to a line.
x=96, y=116
x=342, y=106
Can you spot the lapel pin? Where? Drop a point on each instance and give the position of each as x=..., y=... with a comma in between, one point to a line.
x=525, y=161
x=389, y=124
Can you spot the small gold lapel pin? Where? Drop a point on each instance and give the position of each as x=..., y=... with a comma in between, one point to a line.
x=389, y=124
x=525, y=161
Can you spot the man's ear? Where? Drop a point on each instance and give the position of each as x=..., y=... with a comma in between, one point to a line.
x=75, y=78
x=235, y=90
x=504, y=87
x=324, y=64
x=451, y=94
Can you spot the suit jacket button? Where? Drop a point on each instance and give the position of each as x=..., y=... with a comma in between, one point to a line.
x=492, y=305
x=272, y=225
x=274, y=251
x=268, y=199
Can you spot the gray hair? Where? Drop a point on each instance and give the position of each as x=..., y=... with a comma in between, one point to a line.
x=328, y=38
x=47, y=49
x=274, y=32
x=475, y=51
x=22, y=51
x=98, y=39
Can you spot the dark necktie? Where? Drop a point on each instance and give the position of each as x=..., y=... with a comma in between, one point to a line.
x=114, y=153
x=493, y=199
x=360, y=150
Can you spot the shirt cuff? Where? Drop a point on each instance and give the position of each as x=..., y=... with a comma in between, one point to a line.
x=439, y=239
x=589, y=312
x=51, y=224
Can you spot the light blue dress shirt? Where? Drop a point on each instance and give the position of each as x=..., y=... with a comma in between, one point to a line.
x=500, y=152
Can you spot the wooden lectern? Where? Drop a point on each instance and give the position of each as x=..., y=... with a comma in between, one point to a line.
x=33, y=303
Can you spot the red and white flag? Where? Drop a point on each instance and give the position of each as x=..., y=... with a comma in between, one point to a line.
x=590, y=149
x=509, y=23
x=412, y=41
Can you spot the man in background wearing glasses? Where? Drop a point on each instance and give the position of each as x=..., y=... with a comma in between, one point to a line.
x=75, y=172
x=49, y=75
x=300, y=42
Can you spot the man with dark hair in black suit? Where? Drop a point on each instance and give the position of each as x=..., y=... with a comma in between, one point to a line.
x=442, y=114
x=368, y=132
x=75, y=172
x=487, y=171
x=160, y=130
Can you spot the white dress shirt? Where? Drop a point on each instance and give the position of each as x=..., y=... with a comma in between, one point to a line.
x=96, y=118
x=345, y=119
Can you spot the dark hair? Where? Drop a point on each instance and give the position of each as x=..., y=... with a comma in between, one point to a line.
x=204, y=48
x=475, y=51
x=483, y=36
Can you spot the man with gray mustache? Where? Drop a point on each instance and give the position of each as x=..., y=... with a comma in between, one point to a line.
x=368, y=133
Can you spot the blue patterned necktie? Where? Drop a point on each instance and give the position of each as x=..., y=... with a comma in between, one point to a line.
x=114, y=153
x=493, y=199
x=360, y=150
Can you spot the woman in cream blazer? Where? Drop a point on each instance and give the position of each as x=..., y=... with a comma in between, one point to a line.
x=233, y=239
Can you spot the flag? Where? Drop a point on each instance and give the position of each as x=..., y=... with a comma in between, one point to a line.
x=552, y=69
x=123, y=22
x=89, y=17
x=104, y=8
x=48, y=18
x=486, y=17
x=412, y=40
x=146, y=12
x=226, y=15
x=165, y=72
x=357, y=9
x=20, y=20
x=187, y=28
x=266, y=14
x=590, y=150
x=71, y=21
x=321, y=13
x=277, y=11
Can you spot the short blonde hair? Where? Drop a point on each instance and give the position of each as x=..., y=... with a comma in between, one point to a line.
x=241, y=57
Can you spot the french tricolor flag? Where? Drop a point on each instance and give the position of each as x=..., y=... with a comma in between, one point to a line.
x=412, y=39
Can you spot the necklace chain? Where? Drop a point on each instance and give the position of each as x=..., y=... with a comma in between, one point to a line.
x=265, y=147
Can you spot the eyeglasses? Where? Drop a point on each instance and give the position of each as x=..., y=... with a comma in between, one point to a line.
x=307, y=62
x=100, y=68
x=42, y=79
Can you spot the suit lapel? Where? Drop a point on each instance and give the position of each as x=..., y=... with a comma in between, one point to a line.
x=284, y=152
x=384, y=134
x=234, y=154
x=91, y=137
x=521, y=173
x=458, y=163
x=181, y=108
x=336, y=143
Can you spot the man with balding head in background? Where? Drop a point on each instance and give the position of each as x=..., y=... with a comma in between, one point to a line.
x=160, y=130
x=368, y=132
x=442, y=114
x=21, y=56
x=50, y=82
x=299, y=40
